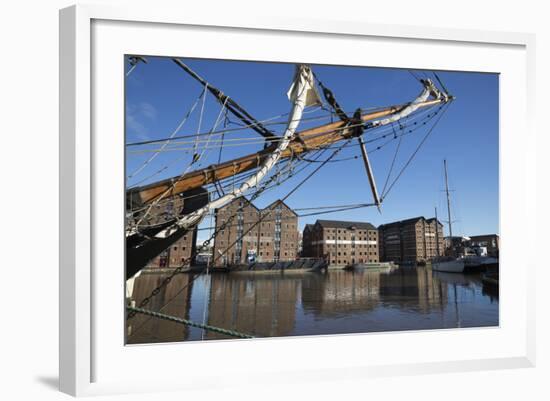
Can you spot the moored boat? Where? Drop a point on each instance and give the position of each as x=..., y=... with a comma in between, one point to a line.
x=380, y=266
x=480, y=262
x=448, y=264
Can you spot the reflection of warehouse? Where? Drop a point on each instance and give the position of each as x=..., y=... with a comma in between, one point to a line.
x=262, y=235
x=263, y=306
x=144, y=329
x=341, y=242
x=411, y=240
x=341, y=292
x=424, y=290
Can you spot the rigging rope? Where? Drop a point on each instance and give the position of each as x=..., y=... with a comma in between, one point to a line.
x=189, y=112
x=444, y=109
x=199, y=126
x=231, y=333
x=236, y=179
x=225, y=122
x=341, y=208
x=134, y=61
x=440, y=82
x=414, y=75
x=131, y=69
x=214, y=127
x=425, y=114
x=394, y=158
x=404, y=132
x=196, y=157
x=429, y=116
x=244, y=127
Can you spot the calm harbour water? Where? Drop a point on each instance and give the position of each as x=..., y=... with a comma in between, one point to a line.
x=293, y=304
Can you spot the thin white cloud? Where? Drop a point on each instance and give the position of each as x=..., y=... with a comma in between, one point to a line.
x=136, y=115
x=148, y=110
x=136, y=128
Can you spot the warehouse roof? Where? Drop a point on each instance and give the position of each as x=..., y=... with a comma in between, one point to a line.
x=345, y=224
x=278, y=202
x=411, y=220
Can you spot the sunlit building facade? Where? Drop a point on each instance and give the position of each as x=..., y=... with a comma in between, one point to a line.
x=255, y=235
x=341, y=243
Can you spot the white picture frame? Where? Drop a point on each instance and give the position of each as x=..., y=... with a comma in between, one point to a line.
x=93, y=358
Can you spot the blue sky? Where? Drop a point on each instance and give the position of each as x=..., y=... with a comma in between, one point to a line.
x=159, y=94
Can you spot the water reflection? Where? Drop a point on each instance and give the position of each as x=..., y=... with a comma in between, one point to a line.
x=341, y=292
x=173, y=299
x=267, y=305
x=258, y=304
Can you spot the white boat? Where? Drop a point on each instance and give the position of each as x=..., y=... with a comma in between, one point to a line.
x=448, y=264
x=383, y=267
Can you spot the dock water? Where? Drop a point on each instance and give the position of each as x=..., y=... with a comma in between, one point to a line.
x=332, y=302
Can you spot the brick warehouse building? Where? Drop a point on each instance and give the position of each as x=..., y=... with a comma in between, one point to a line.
x=181, y=250
x=341, y=242
x=411, y=240
x=274, y=239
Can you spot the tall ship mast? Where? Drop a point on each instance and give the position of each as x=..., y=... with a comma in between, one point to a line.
x=450, y=263
x=436, y=235
x=452, y=249
x=448, y=200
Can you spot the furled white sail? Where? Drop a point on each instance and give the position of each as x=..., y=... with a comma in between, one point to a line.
x=303, y=80
x=429, y=89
